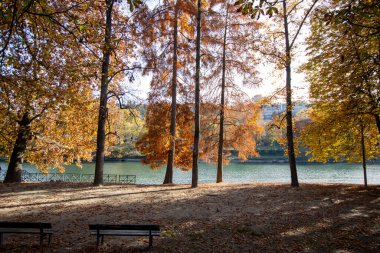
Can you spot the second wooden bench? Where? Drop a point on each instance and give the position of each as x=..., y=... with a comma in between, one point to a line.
x=101, y=230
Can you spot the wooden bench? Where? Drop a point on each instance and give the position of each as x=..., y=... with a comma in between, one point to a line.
x=42, y=229
x=101, y=230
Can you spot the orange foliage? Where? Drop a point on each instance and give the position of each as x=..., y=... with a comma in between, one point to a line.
x=241, y=130
x=155, y=143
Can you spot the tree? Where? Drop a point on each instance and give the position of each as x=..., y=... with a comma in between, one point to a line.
x=344, y=57
x=343, y=71
x=228, y=54
x=110, y=45
x=169, y=169
x=291, y=29
x=156, y=141
x=40, y=79
x=333, y=134
x=241, y=131
x=194, y=178
x=167, y=32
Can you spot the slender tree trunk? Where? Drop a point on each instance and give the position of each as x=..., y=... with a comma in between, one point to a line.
x=101, y=136
x=15, y=163
x=364, y=159
x=219, y=172
x=169, y=168
x=194, y=179
x=377, y=118
x=289, y=117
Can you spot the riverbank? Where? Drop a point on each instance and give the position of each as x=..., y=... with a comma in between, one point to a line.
x=212, y=218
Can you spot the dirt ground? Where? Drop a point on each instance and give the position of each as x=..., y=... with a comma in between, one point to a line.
x=211, y=218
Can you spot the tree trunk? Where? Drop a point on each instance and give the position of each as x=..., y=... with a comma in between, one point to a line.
x=219, y=172
x=289, y=117
x=377, y=118
x=101, y=136
x=15, y=163
x=194, y=179
x=169, y=168
x=364, y=159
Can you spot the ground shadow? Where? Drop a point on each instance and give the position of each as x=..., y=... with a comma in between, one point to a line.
x=227, y=218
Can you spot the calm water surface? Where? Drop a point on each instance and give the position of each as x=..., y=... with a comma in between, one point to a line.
x=237, y=172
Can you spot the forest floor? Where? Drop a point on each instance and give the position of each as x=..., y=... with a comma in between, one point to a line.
x=212, y=218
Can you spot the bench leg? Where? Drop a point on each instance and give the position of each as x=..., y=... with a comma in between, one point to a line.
x=97, y=241
x=41, y=242
x=150, y=241
x=49, y=242
x=1, y=239
x=102, y=239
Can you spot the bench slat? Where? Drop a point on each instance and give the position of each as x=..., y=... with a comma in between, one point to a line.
x=124, y=227
x=125, y=232
x=25, y=230
x=6, y=224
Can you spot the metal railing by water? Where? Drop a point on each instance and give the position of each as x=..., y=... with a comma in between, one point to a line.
x=73, y=178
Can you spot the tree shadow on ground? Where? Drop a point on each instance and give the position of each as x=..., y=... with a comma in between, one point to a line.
x=227, y=218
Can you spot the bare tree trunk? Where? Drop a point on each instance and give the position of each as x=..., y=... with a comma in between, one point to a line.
x=169, y=168
x=364, y=159
x=194, y=179
x=101, y=136
x=289, y=116
x=219, y=172
x=15, y=163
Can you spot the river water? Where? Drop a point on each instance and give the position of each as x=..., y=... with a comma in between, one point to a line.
x=237, y=172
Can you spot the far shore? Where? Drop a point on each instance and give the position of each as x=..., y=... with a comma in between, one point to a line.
x=249, y=161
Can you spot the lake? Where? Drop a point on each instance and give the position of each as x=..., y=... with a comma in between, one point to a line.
x=237, y=172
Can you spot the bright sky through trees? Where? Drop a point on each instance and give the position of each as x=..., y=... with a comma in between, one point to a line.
x=272, y=80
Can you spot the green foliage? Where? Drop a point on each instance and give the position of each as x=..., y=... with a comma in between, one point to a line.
x=129, y=127
x=257, y=8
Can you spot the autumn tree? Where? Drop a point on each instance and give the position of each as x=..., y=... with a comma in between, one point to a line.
x=194, y=178
x=168, y=48
x=40, y=79
x=291, y=15
x=228, y=54
x=116, y=46
x=156, y=141
x=332, y=134
x=241, y=131
x=344, y=57
x=343, y=71
x=168, y=32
